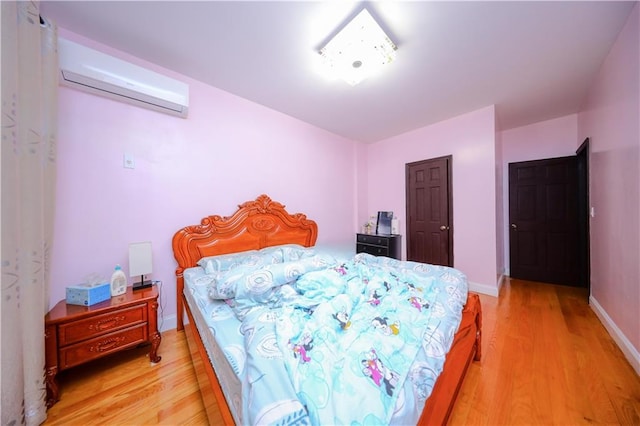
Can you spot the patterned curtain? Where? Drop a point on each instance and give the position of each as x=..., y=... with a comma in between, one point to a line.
x=29, y=105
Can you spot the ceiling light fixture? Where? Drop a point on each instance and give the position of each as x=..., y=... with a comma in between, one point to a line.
x=359, y=50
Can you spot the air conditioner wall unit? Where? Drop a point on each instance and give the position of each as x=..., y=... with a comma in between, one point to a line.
x=101, y=74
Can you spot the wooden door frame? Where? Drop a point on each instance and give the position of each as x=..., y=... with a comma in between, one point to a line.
x=449, y=159
x=584, y=261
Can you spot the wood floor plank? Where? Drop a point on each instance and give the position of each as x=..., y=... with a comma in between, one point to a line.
x=546, y=359
x=127, y=389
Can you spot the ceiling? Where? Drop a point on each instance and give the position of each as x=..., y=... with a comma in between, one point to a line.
x=533, y=60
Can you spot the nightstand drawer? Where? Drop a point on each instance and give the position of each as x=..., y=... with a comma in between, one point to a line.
x=100, y=346
x=373, y=239
x=371, y=249
x=100, y=324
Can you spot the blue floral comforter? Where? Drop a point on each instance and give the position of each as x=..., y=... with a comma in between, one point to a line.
x=336, y=343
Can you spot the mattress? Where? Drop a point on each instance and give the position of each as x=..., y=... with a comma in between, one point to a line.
x=220, y=333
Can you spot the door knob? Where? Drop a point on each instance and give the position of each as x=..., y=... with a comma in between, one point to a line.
x=514, y=226
x=444, y=228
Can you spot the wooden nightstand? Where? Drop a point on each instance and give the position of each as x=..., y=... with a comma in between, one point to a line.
x=77, y=334
x=379, y=245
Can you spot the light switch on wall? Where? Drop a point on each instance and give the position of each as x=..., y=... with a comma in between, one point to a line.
x=592, y=212
x=129, y=162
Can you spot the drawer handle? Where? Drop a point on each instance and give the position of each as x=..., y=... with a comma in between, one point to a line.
x=107, y=323
x=106, y=345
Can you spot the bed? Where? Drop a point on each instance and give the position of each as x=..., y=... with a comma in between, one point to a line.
x=256, y=231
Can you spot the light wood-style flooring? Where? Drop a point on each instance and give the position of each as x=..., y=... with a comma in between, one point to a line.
x=546, y=360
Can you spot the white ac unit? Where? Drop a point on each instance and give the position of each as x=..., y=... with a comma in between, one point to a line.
x=98, y=73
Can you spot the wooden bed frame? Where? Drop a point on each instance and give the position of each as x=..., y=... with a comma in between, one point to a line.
x=264, y=223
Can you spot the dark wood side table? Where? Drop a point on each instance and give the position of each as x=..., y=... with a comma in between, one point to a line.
x=77, y=334
x=379, y=245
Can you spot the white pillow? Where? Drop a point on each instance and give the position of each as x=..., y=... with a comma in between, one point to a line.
x=225, y=262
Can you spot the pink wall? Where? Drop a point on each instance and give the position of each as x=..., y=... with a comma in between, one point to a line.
x=227, y=151
x=500, y=217
x=546, y=139
x=470, y=139
x=610, y=119
x=361, y=187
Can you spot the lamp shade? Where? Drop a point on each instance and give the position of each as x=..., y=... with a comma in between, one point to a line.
x=140, y=259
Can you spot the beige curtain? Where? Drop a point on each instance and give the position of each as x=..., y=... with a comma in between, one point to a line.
x=29, y=104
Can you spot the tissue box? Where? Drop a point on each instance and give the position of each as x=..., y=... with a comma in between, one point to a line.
x=88, y=294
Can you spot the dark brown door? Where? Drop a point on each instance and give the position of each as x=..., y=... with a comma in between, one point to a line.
x=543, y=216
x=429, y=211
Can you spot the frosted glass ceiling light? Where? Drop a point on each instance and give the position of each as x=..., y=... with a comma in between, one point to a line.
x=359, y=50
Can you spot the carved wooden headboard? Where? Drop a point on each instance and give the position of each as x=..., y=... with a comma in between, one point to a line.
x=255, y=225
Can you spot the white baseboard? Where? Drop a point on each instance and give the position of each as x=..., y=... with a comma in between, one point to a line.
x=484, y=289
x=168, y=322
x=621, y=340
x=500, y=282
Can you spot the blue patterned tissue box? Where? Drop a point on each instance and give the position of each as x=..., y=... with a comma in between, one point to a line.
x=88, y=294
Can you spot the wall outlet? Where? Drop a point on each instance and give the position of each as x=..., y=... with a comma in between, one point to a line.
x=129, y=161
